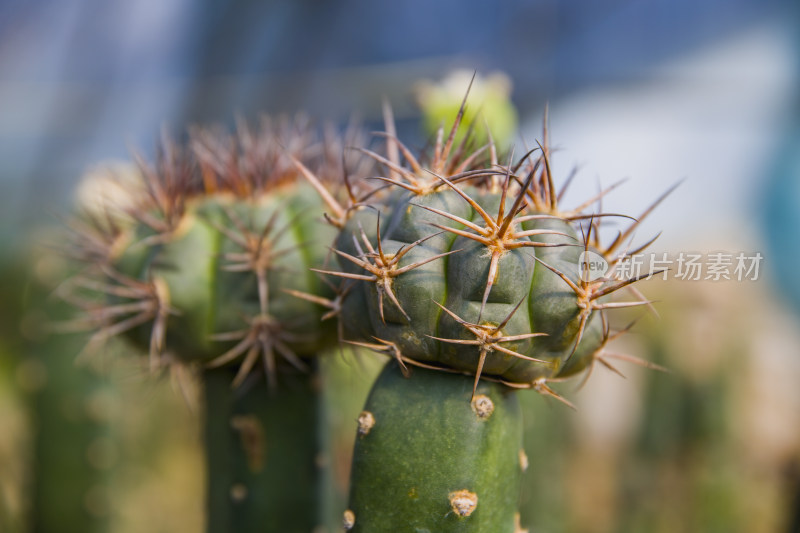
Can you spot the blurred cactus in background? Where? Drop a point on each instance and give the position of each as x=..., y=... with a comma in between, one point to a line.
x=14, y=436
x=673, y=452
x=491, y=112
x=207, y=265
x=73, y=449
x=74, y=406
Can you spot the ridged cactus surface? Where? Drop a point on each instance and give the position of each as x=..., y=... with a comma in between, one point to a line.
x=427, y=460
x=73, y=408
x=463, y=263
x=458, y=261
x=455, y=297
x=205, y=261
x=227, y=267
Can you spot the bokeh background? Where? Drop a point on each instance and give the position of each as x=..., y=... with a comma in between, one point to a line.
x=651, y=90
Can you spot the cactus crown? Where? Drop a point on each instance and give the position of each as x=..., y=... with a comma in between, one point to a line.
x=464, y=264
x=205, y=261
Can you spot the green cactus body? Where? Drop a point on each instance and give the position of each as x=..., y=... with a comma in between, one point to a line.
x=490, y=98
x=263, y=455
x=470, y=265
x=211, y=269
x=206, y=274
x=12, y=276
x=423, y=331
x=73, y=408
x=461, y=265
x=593, y=341
x=75, y=447
x=428, y=459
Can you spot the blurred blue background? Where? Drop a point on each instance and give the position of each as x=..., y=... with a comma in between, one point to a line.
x=656, y=90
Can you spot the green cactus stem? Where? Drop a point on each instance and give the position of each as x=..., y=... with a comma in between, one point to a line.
x=428, y=459
x=75, y=449
x=12, y=441
x=263, y=454
x=75, y=442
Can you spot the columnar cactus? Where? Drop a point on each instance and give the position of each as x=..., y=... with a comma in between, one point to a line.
x=263, y=453
x=463, y=269
x=209, y=266
x=467, y=266
x=434, y=448
x=75, y=447
x=73, y=443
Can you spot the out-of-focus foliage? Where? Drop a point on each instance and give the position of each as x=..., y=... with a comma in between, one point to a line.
x=711, y=446
x=489, y=106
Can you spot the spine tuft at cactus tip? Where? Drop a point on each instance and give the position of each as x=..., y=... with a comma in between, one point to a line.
x=204, y=261
x=462, y=265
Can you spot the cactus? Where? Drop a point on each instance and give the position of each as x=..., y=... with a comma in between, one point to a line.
x=685, y=451
x=263, y=454
x=437, y=278
x=444, y=485
x=13, y=440
x=208, y=267
x=464, y=270
x=490, y=102
x=212, y=262
x=73, y=442
x=75, y=445
x=466, y=266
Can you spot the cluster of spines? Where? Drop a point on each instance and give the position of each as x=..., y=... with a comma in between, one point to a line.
x=458, y=168
x=213, y=163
